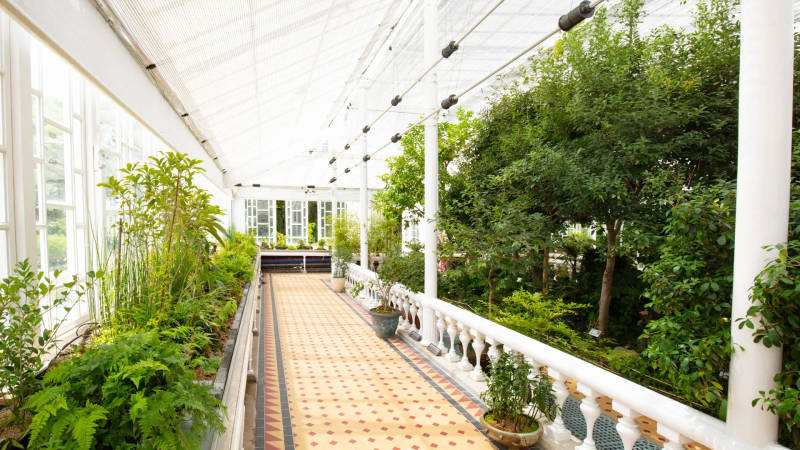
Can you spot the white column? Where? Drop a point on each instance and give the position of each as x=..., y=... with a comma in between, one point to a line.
x=22, y=228
x=428, y=224
x=334, y=173
x=762, y=200
x=363, y=207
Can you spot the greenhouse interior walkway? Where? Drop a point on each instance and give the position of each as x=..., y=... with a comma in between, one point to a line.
x=329, y=381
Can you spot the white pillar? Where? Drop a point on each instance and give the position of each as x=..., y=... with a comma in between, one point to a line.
x=22, y=236
x=363, y=207
x=334, y=173
x=428, y=224
x=762, y=200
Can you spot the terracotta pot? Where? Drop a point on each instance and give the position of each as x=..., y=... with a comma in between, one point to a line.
x=509, y=439
x=385, y=324
x=337, y=284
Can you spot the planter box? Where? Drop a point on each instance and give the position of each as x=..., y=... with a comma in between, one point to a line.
x=231, y=380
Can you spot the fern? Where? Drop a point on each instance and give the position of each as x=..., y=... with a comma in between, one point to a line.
x=133, y=392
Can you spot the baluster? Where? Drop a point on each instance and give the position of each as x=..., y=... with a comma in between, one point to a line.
x=413, y=309
x=452, y=356
x=464, y=337
x=403, y=310
x=627, y=427
x=440, y=326
x=494, y=349
x=419, y=316
x=591, y=411
x=675, y=441
x=478, y=345
x=560, y=432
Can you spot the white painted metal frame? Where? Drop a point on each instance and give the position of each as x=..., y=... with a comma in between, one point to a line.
x=296, y=221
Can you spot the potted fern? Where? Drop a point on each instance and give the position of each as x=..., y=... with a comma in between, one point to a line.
x=508, y=395
x=340, y=260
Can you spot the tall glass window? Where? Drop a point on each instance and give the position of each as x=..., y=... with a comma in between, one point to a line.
x=296, y=221
x=325, y=217
x=261, y=219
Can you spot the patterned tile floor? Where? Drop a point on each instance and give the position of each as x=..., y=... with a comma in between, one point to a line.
x=330, y=382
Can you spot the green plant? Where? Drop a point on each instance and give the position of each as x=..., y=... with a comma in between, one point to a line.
x=280, y=240
x=690, y=286
x=407, y=269
x=510, y=388
x=312, y=232
x=161, y=238
x=26, y=297
x=345, y=243
x=357, y=288
x=135, y=392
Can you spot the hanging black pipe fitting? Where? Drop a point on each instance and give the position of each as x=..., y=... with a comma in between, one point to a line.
x=333, y=160
x=366, y=158
x=450, y=49
x=583, y=11
x=332, y=180
x=347, y=170
x=346, y=146
x=365, y=130
x=396, y=137
x=396, y=100
x=451, y=100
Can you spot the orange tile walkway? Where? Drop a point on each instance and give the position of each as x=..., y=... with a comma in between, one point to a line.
x=343, y=387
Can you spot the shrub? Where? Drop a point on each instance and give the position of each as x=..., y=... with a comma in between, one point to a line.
x=135, y=392
x=25, y=298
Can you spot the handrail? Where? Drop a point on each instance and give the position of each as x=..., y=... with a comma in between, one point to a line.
x=677, y=422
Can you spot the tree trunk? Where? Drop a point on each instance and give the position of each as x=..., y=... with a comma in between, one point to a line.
x=545, y=275
x=612, y=232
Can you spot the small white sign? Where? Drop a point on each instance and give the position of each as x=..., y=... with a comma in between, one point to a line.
x=594, y=332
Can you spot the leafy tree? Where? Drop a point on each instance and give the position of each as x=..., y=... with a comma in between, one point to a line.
x=404, y=182
x=690, y=288
x=641, y=116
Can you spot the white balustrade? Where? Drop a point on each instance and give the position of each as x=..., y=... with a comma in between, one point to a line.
x=464, y=337
x=677, y=422
x=477, y=345
x=591, y=411
x=440, y=326
x=627, y=428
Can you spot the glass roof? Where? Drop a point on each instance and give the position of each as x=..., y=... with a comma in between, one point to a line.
x=274, y=85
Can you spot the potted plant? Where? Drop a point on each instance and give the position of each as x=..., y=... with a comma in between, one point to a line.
x=280, y=241
x=340, y=259
x=509, y=392
x=384, y=317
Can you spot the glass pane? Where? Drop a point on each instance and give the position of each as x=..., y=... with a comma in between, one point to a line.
x=263, y=231
x=56, y=239
x=264, y=204
x=79, y=199
x=55, y=87
x=37, y=199
x=40, y=249
x=81, y=257
x=263, y=216
x=2, y=100
x=107, y=119
x=134, y=154
x=108, y=163
x=37, y=123
x=3, y=253
x=55, y=144
x=77, y=143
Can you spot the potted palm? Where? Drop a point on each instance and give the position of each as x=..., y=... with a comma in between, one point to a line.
x=508, y=394
x=384, y=317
